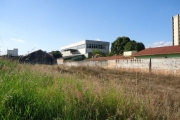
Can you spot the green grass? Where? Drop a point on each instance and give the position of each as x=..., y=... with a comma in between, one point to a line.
x=30, y=92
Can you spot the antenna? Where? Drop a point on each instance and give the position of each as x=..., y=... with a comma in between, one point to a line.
x=33, y=49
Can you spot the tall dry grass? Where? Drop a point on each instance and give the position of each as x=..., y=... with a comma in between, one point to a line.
x=61, y=92
x=159, y=94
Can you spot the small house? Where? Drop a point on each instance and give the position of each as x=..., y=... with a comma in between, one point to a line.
x=159, y=52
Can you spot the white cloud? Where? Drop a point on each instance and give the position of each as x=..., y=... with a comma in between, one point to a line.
x=97, y=39
x=160, y=44
x=18, y=40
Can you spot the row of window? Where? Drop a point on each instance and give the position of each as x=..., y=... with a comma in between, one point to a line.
x=94, y=46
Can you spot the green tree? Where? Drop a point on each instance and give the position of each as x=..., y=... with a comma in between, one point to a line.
x=122, y=44
x=130, y=46
x=56, y=54
x=109, y=54
x=78, y=58
x=140, y=46
x=97, y=52
x=117, y=47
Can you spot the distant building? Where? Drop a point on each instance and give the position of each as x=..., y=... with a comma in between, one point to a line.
x=12, y=52
x=85, y=47
x=159, y=52
x=176, y=30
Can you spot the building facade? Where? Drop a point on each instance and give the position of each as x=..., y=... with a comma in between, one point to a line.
x=176, y=30
x=85, y=47
x=13, y=52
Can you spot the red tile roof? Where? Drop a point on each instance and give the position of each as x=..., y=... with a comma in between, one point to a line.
x=159, y=51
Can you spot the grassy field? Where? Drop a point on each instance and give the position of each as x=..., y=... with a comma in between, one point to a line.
x=44, y=92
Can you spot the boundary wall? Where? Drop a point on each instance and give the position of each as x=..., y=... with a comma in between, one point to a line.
x=158, y=66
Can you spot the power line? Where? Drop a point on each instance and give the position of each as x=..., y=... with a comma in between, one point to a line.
x=0, y=50
x=3, y=45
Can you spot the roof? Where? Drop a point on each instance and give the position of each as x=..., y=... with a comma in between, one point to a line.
x=32, y=52
x=159, y=51
x=37, y=51
x=109, y=58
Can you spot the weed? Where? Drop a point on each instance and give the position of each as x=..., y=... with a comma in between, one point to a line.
x=81, y=93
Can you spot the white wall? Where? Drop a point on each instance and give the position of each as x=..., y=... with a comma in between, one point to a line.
x=82, y=51
x=68, y=53
x=72, y=45
x=129, y=53
x=162, y=66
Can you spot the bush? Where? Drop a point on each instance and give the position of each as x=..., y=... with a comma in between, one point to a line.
x=78, y=58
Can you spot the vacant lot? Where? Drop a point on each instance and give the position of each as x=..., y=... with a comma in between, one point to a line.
x=60, y=92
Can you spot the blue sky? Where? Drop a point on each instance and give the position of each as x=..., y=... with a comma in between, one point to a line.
x=50, y=24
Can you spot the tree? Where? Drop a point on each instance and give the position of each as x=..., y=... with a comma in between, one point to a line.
x=97, y=52
x=109, y=54
x=130, y=46
x=140, y=46
x=78, y=58
x=56, y=54
x=122, y=44
x=117, y=47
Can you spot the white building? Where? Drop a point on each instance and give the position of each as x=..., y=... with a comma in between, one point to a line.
x=129, y=53
x=12, y=52
x=176, y=30
x=85, y=47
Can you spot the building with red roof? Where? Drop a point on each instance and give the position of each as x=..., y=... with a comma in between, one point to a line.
x=159, y=52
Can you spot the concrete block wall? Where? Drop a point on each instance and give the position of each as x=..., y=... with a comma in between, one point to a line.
x=133, y=63
x=163, y=66
x=88, y=63
x=166, y=66
x=169, y=64
x=141, y=65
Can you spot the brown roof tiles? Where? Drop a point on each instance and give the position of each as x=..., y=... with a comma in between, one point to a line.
x=159, y=51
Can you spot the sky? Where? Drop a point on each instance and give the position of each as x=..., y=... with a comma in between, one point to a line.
x=31, y=25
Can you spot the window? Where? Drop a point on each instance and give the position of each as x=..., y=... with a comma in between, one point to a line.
x=90, y=46
x=87, y=45
x=95, y=46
